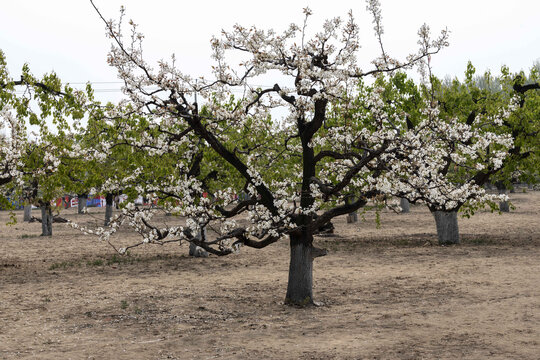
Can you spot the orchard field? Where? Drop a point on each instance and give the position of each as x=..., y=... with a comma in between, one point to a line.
x=388, y=293
x=286, y=134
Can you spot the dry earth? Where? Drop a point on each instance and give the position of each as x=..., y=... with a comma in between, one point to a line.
x=387, y=293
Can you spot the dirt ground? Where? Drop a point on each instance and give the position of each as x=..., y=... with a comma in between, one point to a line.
x=388, y=293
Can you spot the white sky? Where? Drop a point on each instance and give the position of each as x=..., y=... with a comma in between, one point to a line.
x=67, y=36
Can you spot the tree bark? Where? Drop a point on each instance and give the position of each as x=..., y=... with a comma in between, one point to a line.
x=27, y=212
x=46, y=219
x=195, y=250
x=300, y=285
x=503, y=205
x=351, y=217
x=81, y=207
x=404, y=204
x=447, y=227
x=109, y=199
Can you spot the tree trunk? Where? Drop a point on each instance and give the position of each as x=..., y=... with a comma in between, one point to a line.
x=81, y=207
x=503, y=205
x=352, y=217
x=447, y=227
x=300, y=285
x=27, y=212
x=109, y=199
x=195, y=250
x=404, y=204
x=46, y=219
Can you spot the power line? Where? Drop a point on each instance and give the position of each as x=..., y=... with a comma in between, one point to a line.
x=121, y=82
x=237, y=90
x=92, y=82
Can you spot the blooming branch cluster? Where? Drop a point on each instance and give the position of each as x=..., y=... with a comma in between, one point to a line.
x=437, y=161
x=228, y=159
x=12, y=145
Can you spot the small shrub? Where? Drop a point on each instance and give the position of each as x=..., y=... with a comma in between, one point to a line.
x=28, y=236
x=61, y=265
x=97, y=262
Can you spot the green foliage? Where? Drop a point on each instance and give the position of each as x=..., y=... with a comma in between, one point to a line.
x=523, y=124
x=50, y=108
x=5, y=204
x=62, y=265
x=28, y=236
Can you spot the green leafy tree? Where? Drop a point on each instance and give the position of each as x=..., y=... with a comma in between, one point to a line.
x=37, y=122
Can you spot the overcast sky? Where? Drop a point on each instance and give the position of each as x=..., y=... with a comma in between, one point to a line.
x=68, y=36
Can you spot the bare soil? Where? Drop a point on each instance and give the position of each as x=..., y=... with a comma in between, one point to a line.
x=388, y=293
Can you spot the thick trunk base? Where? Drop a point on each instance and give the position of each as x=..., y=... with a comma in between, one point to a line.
x=300, y=286
x=27, y=212
x=352, y=217
x=46, y=220
x=109, y=199
x=404, y=204
x=503, y=205
x=108, y=214
x=81, y=207
x=197, y=251
x=447, y=227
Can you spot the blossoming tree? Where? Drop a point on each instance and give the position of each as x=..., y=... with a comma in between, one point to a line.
x=462, y=137
x=523, y=123
x=297, y=172
x=34, y=125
